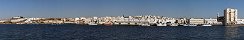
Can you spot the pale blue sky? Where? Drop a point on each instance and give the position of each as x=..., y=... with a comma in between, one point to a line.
x=87, y=8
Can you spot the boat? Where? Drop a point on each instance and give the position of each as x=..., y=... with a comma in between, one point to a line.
x=206, y=25
x=160, y=24
x=174, y=24
x=55, y=24
x=145, y=25
x=189, y=25
x=124, y=23
x=192, y=25
x=116, y=23
x=92, y=24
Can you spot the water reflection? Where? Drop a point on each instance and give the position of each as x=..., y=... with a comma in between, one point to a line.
x=231, y=32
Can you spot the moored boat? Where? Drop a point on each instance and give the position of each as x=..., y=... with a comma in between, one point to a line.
x=206, y=25
x=145, y=25
x=160, y=24
x=189, y=25
x=92, y=24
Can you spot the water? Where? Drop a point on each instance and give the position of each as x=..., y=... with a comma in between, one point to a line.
x=79, y=32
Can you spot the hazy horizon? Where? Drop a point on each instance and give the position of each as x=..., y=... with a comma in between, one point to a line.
x=89, y=8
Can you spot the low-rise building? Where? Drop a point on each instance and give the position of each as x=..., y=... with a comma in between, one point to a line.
x=240, y=21
x=195, y=21
x=181, y=21
x=203, y=21
x=211, y=21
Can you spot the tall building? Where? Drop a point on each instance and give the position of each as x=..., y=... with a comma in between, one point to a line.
x=230, y=16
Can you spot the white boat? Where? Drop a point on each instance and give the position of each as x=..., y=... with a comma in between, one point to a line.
x=206, y=25
x=174, y=25
x=18, y=20
x=189, y=25
x=145, y=25
x=92, y=24
x=160, y=24
x=116, y=23
x=192, y=25
x=55, y=24
x=124, y=23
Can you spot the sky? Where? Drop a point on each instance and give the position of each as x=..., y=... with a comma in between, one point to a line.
x=90, y=8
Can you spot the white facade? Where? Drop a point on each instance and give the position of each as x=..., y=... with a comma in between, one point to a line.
x=212, y=21
x=203, y=21
x=1, y=21
x=195, y=21
x=240, y=21
x=230, y=16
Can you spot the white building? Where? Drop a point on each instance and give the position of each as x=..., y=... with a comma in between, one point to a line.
x=212, y=21
x=203, y=21
x=181, y=21
x=240, y=21
x=230, y=16
x=195, y=21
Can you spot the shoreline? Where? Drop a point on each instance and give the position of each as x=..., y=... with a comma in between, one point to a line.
x=118, y=25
